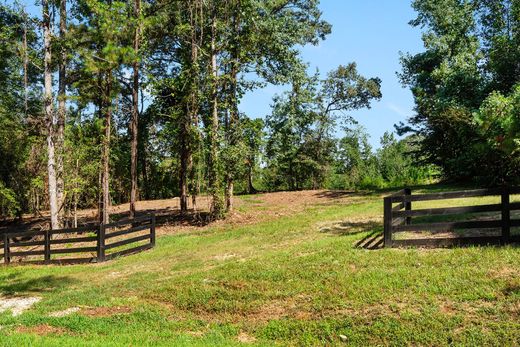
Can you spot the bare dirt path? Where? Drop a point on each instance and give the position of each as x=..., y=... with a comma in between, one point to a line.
x=248, y=209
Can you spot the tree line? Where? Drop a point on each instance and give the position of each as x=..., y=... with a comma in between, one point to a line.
x=105, y=102
x=466, y=85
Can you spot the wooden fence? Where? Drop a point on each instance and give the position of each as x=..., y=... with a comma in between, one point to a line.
x=399, y=216
x=93, y=243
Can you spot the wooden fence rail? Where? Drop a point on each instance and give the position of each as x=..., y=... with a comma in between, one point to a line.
x=398, y=216
x=88, y=244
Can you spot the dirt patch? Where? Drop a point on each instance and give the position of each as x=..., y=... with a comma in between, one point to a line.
x=248, y=210
x=270, y=311
x=505, y=273
x=396, y=309
x=17, y=305
x=447, y=309
x=296, y=308
x=41, y=330
x=477, y=310
x=301, y=308
x=225, y=256
x=514, y=310
x=65, y=312
x=105, y=311
x=195, y=333
x=245, y=338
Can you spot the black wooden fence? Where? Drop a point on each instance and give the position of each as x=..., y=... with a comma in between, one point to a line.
x=93, y=243
x=399, y=217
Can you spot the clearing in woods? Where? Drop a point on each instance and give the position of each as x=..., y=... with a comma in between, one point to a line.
x=286, y=268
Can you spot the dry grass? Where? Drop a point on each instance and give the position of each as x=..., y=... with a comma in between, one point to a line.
x=41, y=330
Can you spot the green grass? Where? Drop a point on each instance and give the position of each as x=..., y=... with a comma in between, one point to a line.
x=280, y=281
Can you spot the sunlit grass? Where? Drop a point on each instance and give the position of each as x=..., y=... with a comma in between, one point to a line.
x=283, y=280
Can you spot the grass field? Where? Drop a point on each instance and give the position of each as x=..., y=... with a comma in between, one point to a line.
x=287, y=278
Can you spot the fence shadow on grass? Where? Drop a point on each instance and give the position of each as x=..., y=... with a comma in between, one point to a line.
x=373, y=230
x=372, y=241
x=339, y=194
x=14, y=284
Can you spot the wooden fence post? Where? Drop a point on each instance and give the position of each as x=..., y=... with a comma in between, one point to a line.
x=152, y=231
x=408, y=205
x=7, y=258
x=47, y=247
x=388, y=221
x=506, y=216
x=101, y=243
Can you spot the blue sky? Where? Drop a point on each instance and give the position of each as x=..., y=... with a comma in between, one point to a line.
x=371, y=33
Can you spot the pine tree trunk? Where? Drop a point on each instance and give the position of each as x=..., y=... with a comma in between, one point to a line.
x=214, y=189
x=233, y=121
x=185, y=156
x=183, y=172
x=50, y=117
x=233, y=124
x=189, y=170
x=76, y=195
x=25, y=65
x=135, y=115
x=195, y=18
x=144, y=172
x=105, y=154
x=62, y=113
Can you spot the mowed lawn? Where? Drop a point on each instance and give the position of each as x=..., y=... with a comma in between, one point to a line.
x=287, y=279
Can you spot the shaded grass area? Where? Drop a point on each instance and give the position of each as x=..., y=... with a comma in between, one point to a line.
x=298, y=280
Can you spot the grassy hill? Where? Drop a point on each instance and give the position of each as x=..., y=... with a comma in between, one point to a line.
x=273, y=274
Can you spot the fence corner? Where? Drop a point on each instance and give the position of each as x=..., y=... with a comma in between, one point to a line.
x=152, y=231
x=101, y=243
x=506, y=215
x=387, y=222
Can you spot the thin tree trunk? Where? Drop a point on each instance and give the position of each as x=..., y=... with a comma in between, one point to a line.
x=194, y=102
x=25, y=65
x=105, y=155
x=135, y=114
x=185, y=158
x=144, y=172
x=186, y=173
x=229, y=194
x=62, y=113
x=37, y=204
x=76, y=194
x=183, y=173
x=192, y=189
x=250, y=187
x=233, y=121
x=50, y=117
x=216, y=204
x=100, y=180
x=141, y=153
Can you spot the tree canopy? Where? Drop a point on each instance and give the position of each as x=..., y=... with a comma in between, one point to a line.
x=465, y=85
